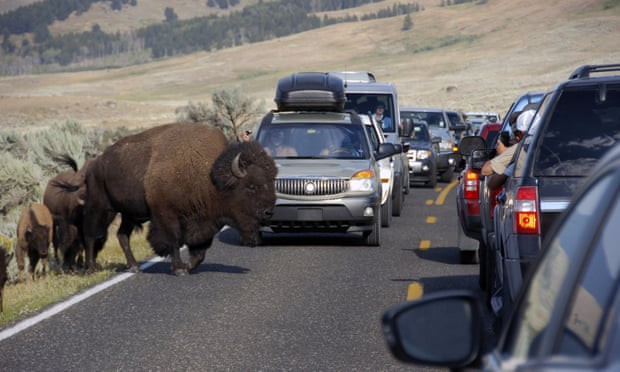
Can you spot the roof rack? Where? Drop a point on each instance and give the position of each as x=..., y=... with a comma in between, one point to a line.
x=584, y=71
x=310, y=91
x=355, y=76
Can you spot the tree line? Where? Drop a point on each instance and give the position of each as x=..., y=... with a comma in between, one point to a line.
x=173, y=37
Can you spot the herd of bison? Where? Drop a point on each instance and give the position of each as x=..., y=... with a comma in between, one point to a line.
x=187, y=179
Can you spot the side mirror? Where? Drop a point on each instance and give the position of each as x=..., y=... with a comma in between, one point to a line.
x=406, y=127
x=398, y=148
x=469, y=144
x=436, y=139
x=385, y=150
x=479, y=157
x=406, y=147
x=441, y=329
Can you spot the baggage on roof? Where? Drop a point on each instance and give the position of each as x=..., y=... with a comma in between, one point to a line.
x=310, y=91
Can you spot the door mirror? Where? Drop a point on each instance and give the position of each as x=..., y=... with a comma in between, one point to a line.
x=469, y=144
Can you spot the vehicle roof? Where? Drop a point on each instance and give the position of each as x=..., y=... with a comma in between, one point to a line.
x=369, y=87
x=421, y=109
x=313, y=116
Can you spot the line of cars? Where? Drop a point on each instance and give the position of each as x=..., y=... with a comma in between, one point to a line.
x=549, y=261
x=339, y=170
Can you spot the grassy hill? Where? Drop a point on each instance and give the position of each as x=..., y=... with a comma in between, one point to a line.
x=468, y=57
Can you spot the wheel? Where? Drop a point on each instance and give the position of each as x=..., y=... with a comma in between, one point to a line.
x=373, y=237
x=407, y=183
x=386, y=213
x=447, y=175
x=467, y=255
x=397, y=198
x=432, y=182
x=482, y=268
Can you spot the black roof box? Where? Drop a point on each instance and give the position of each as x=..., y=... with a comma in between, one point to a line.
x=310, y=91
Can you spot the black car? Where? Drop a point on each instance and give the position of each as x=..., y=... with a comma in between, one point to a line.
x=422, y=154
x=567, y=314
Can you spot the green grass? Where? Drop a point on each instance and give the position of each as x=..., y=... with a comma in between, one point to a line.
x=29, y=297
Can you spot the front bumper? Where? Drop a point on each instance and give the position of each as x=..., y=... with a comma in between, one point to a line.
x=350, y=214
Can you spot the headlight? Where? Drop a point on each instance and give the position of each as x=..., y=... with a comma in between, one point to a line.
x=424, y=155
x=363, y=181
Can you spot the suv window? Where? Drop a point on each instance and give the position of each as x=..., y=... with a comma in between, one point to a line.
x=316, y=140
x=563, y=257
x=584, y=125
x=431, y=118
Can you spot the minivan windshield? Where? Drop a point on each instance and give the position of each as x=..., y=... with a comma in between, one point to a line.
x=315, y=141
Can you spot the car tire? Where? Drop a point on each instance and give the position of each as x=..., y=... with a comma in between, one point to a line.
x=397, y=198
x=432, y=181
x=482, y=267
x=467, y=255
x=373, y=237
x=386, y=213
x=447, y=175
x=407, y=183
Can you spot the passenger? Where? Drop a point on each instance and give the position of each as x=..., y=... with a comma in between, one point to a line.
x=382, y=118
x=275, y=145
x=498, y=166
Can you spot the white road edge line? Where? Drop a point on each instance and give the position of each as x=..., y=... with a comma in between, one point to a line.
x=27, y=323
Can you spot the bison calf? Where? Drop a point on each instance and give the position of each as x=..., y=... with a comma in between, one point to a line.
x=34, y=235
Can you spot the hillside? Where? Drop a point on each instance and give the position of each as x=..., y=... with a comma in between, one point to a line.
x=468, y=57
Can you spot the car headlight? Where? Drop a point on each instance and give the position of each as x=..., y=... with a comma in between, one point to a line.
x=424, y=155
x=363, y=181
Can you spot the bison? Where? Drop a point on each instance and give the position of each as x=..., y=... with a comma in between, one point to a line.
x=67, y=210
x=187, y=181
x=34, y=235
x=4, y=276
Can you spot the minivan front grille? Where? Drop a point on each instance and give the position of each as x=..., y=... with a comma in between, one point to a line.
x=311, y=186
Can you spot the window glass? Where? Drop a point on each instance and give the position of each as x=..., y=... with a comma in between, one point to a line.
x=563, y=255
x=584, y=124
x=315, y=140
x=372, y=135
x=594, y=295
x=369, y=103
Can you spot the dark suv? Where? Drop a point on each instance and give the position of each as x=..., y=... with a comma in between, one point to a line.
x=576, y=123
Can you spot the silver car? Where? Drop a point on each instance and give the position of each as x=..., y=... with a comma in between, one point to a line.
x=328, y=173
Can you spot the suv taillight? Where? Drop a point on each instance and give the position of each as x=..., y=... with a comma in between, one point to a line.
x=470, y=185
x=525, y=211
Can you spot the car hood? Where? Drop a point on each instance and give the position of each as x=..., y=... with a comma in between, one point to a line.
x=292, y=168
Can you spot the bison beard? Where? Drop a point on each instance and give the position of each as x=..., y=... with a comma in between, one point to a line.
x=187, y=181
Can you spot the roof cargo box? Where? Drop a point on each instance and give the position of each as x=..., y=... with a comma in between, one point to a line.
x=310, y=91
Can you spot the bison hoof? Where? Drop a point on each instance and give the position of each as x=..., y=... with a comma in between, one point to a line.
x=180, y=272
x=134, y=269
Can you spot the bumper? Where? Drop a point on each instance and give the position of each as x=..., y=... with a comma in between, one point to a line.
x=353, y=214
x=420, y=170
x=445, y=160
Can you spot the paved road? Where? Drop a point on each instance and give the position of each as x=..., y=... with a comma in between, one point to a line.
x=307, y=302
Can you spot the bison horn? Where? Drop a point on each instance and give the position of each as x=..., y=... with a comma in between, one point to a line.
x=236, y=169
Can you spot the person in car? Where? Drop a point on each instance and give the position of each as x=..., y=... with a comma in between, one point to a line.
x=276, y=146
x=500, y=167
x=381, y=117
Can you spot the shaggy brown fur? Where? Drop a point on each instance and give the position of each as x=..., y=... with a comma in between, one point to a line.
x=67, y=210
x=4, y=263
x=34, y=235
x=164, y=175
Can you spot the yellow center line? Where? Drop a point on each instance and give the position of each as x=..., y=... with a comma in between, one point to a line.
x=431, y=219
x=444, y=193
x=414, y=291
x=429, y=202
x=425, y=244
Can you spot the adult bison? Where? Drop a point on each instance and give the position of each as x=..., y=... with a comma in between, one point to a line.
x=34, y=235
x=67, y=210
x=4, y=275
x=187, y=181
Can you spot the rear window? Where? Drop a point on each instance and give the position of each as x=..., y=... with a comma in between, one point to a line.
x=584, y=125
x=433, y=119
